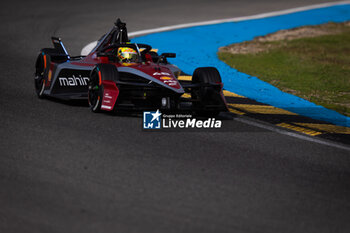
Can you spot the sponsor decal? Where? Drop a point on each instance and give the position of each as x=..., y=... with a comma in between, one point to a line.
x=157, y=120
x=165, y=78
x=73, y=81
x=170, y=82
x=161, y=73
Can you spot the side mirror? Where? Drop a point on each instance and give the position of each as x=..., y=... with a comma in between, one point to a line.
x=169, y=55
x=163, y=56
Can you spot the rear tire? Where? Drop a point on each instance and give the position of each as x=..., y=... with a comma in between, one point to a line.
x=39, y=79
x=45, y=57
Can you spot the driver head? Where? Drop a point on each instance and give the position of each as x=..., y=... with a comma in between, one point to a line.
x=127, y=55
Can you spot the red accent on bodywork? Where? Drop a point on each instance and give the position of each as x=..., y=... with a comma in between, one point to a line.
x=110, y=95
x=103, y=59
x=148, y=57
x=90, y=60
x=83, y=64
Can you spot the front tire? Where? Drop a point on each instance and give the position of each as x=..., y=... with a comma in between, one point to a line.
x=102, y=72
x=95, y=91
x=209, y=102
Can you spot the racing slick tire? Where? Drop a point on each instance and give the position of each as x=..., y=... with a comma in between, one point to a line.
x=207, y=95
x=42, y=65
x=41, y=70
x=39, y=78
x=100, y=73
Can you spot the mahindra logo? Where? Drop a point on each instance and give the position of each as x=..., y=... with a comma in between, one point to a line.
x=73, y=81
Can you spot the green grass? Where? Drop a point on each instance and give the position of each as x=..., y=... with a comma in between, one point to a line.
x=316, y=69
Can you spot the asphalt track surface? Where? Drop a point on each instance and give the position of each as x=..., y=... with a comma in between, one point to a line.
x=64, y=169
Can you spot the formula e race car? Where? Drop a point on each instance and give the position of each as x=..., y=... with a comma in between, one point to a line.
x=119, y=75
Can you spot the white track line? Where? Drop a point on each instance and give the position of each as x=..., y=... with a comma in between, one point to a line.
x=91, y=45
x=292, y=134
